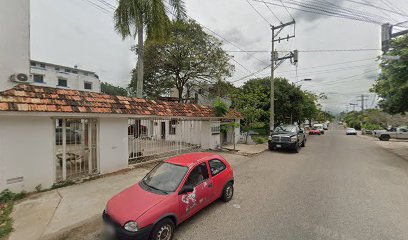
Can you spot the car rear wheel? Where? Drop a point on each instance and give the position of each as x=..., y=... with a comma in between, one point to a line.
x=163, y=230
x=385, y=137
x=228, y=192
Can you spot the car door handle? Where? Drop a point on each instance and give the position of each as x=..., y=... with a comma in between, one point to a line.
x=210, y=185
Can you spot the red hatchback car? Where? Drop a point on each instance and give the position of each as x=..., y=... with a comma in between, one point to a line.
x=172, y=192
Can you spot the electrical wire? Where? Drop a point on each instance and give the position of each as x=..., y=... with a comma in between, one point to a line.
x=256, y=10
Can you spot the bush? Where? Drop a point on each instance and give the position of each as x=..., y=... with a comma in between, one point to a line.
x=7, y=199
x=259, y=139
x=220, y=107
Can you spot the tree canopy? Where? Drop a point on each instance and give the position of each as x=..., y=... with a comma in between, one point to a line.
x=392, y=84
x=110, y=89
x=291, y=103
x=188, y=57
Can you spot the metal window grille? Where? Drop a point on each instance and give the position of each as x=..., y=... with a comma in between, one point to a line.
x=155, y=138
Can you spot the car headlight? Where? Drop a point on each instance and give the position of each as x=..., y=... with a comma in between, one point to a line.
x=131, y=226
x=293, y=139
x=270, y=138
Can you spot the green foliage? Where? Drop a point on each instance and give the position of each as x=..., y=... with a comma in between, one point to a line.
x=188, y=57
x=38, y=188
x=392, y=85
x=291, y=103
x=62, y=184
x=7, y=199
x=372, y=119
x=220, y=108
x=260, y=139
x=110, y=89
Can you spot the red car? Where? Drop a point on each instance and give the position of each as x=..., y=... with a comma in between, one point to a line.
x=314, y=132
x=173, y=191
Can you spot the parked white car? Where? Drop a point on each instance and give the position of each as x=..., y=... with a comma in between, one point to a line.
x=351, y=131
x=393, y=133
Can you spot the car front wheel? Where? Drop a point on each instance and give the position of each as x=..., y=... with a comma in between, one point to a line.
x=164, y=230
x=228, y=192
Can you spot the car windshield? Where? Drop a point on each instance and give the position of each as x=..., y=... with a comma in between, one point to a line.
x=285, y=128
x=165, y=177
x=351, y=129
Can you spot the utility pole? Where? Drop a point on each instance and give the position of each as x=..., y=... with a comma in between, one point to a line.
x=362, y=100
x=354, y=106
x=387, y=36
x=275, y=59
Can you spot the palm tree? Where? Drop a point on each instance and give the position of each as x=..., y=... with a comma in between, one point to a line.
x=133, y=17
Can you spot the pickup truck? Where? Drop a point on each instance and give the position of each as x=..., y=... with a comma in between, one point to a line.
x=393, y=133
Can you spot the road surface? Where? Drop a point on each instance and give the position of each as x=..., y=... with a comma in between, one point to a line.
x=338, y=187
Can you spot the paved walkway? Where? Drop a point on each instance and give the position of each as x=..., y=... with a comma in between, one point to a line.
x=48, y=215
x=246, y=149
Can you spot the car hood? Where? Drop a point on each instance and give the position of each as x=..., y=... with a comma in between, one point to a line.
x=132, y=203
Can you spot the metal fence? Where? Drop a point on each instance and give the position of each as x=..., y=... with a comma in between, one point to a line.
x=152, y=139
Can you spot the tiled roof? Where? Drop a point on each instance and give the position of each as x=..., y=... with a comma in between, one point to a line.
x=29, y=98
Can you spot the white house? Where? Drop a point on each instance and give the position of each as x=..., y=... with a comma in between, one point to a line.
x=52, y=75
x=15, y=64
x=50, y=135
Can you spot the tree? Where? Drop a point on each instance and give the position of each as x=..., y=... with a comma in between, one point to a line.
x=291, y=103
x=189, y=57
x=132, y=17
x=110, y=89
x=153, y=87
x=392, y=85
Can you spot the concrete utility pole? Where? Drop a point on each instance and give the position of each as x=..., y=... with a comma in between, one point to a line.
x=362, y=100
x=387, y=36
x=275, y=58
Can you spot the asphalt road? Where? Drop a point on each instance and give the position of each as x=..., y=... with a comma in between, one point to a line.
x=337, y=187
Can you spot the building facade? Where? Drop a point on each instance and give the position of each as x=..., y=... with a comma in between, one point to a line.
x=52, y=75
x=51, y=135
x=16, y=65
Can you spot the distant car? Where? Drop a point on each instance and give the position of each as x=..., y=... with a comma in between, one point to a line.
x=314, y=131
x=351, y=131
x=172, y=192
x=325, y=126
x=287, y=137
x=319, y=127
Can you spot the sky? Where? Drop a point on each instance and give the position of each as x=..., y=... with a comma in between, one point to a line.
x=81, y=32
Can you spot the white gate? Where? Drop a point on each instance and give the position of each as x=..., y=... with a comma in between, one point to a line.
x=75, y=148
x=151, y=139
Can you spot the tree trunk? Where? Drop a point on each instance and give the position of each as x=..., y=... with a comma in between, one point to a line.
x=140, y=59
x=180, y=94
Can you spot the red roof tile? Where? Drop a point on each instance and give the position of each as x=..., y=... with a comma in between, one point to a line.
x=29, y=98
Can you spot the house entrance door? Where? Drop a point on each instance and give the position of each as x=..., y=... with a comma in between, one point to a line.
x=75, y=148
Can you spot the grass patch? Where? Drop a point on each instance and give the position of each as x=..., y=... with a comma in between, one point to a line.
x=7, y=199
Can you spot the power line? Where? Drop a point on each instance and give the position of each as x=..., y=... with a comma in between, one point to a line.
x=287, y=10
x=97, y=6
x=270, y=10
x=311, y=51
x=256, y=10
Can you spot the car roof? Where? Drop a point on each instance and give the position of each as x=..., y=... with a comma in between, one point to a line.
x=191, y=158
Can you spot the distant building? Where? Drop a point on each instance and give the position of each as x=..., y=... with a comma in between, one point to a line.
x=16, y=66
x=198, y=94
x=52, y=75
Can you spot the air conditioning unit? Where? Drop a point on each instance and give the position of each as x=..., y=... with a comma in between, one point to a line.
x=19, y=78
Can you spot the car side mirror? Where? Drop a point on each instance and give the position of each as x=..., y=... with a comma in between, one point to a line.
x=186, y=189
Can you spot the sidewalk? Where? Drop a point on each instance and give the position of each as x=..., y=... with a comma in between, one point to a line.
x=246, y=149
x=49, y=214
x=398, y=147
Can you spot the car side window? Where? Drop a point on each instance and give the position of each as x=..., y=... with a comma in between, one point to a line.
x=216, y=166
x=198, y=175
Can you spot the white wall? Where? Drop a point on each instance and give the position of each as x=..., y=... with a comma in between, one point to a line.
x=74, y=80
x=113, y=144
x=14, y=40
x=26, y=150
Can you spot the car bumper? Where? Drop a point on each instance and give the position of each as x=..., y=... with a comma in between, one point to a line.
x=122, y=234
x=281, y=145
x=351, y=133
